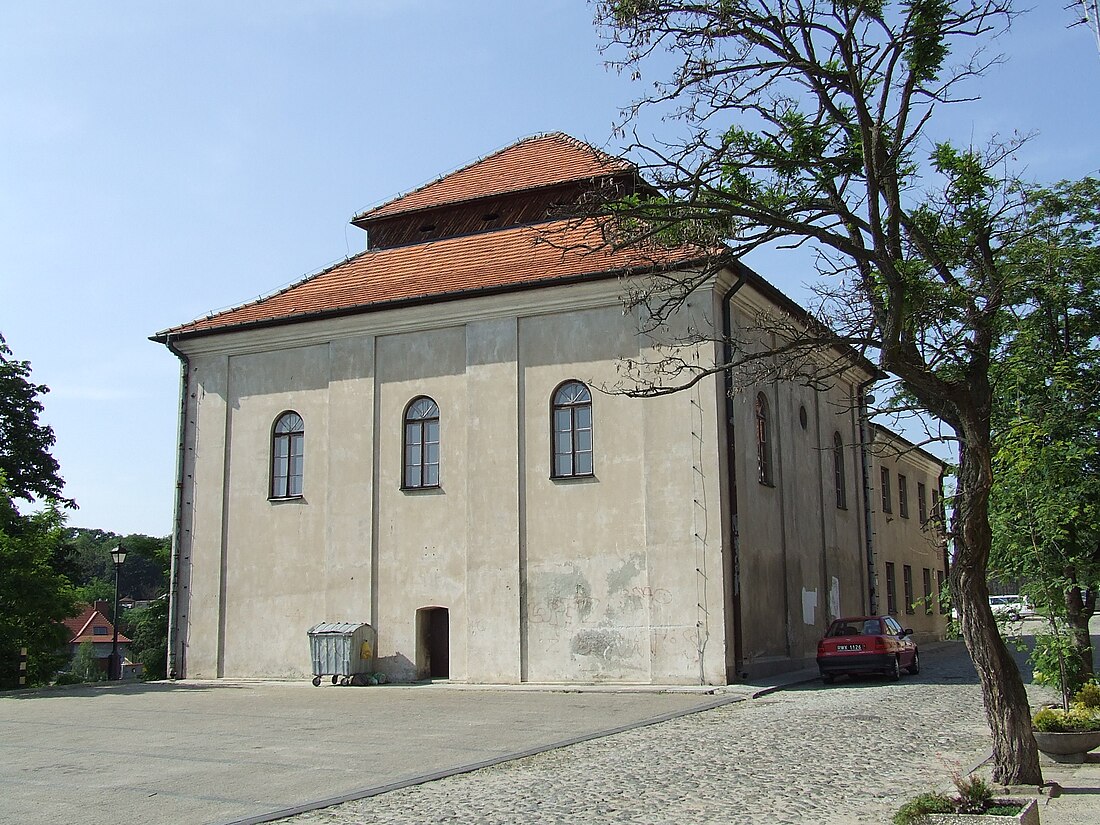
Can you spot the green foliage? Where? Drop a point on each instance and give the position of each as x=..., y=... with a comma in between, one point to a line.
x=928, y=49
x=1048, y=660
x=1074, y=720
x=1045, y=507
x=974, y=793
x=1002, y=810
x=66, y=677
x=803, y=125
x=85, y=668
x=144, y=574
x=927, y=803
x=35, y=592
x=148, y=630
x=95, y=590
x=1088, y=696
x=34, y=596
x=973, y=796
x=25, y=460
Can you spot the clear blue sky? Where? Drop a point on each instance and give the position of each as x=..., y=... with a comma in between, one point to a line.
x=161, y=160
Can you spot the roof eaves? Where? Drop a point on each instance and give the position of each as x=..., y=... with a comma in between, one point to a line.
x=909, y=444
x=364, y=219
x=784, y=301
x=163, y=336
x=418, y=300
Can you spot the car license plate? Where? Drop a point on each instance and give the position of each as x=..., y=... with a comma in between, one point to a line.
x=849, y=647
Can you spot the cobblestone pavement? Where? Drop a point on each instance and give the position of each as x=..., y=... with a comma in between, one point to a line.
x=845, y=754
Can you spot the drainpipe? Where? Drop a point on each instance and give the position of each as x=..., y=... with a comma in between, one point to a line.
x=863, y=399
x=731, y=471
x=177, y=514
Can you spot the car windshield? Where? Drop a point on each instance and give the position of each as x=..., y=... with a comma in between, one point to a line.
x=855, y=627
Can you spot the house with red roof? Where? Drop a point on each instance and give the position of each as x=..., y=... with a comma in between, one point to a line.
x=93, y=626
x=432, y=437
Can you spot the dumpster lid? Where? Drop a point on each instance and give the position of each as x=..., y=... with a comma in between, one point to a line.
x=336, y=627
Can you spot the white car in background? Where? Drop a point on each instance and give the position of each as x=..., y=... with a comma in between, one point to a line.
x=1013, y=608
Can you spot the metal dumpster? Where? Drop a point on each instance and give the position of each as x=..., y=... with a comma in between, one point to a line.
x=343, y=650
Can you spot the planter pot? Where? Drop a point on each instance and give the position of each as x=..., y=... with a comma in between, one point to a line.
x=1028, y=815
x=1067, y=747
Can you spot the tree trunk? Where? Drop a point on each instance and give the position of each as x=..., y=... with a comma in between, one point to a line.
x=1079, y=609
x=1015, y=755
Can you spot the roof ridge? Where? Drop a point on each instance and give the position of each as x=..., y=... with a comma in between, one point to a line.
x=461, y=168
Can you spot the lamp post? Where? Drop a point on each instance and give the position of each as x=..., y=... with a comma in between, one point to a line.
x=114, y=665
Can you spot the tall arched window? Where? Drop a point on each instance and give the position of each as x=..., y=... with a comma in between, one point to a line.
x=838, y=472
x=571, y=421
x=763, y=440
x=287, y=455
x=421, y=443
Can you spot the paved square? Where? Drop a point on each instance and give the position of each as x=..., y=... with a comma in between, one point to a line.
x=221, y=752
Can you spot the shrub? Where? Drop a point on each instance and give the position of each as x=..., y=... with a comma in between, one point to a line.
x=1088, y=696
x=1074, y=720
x=974, y=794
x=918, y=806
x=1054, y=655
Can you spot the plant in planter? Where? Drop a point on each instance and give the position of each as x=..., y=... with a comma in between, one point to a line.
x=1067, y=734
x=973, y=802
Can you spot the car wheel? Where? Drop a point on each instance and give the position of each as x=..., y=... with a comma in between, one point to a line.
x=828, y=678
x=914, y=668
x=895, y=672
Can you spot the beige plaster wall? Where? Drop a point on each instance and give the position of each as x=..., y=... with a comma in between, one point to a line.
x=802, y=560
x=617, y=578
x=906, y=541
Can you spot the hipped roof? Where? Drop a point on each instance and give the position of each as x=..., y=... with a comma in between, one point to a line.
x=532, y=163
x=520, y=257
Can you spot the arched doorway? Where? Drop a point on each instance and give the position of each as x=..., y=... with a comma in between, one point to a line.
x=433, y=643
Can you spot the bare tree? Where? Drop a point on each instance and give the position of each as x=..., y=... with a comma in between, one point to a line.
x=808, y=123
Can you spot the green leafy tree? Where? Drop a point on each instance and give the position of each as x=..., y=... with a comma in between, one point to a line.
x=94, y=591
x=35, y=592
x=85, y=667
x=148, y=629
x=809, y=125
x=1045, y=508
x=32, y=472
x=143, y=575
x=34, y=596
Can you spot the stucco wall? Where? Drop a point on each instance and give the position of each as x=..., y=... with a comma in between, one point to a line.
x=798, y=551
x=615, y=578
x=906, y=540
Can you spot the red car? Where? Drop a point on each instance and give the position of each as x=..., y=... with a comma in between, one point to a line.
x=867, y=644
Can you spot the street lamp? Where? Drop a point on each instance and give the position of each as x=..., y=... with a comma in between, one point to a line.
x=114, y=665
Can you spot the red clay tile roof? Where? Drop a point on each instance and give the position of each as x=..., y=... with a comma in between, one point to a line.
x=81, y=628
x=448, y=268
x=534, y=162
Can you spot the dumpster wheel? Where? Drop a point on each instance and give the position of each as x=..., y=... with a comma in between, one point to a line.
x=316, y=681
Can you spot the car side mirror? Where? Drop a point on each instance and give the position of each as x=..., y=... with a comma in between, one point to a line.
x=907, y=631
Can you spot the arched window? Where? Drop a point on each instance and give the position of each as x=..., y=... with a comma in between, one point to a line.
x=287, y=455
x=838, y=472
x=571, y=422
x=763, y=440
x=421, y=443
